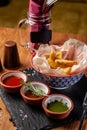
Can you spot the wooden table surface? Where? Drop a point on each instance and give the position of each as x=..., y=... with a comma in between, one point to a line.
x=24, y=54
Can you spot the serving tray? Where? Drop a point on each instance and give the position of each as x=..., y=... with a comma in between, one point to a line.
x=27, y=117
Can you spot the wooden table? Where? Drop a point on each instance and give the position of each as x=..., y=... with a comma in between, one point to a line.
x=13, y=34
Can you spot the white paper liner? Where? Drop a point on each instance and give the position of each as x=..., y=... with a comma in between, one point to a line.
x=74, y=50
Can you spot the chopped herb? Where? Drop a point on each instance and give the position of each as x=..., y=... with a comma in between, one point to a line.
x=34, y=90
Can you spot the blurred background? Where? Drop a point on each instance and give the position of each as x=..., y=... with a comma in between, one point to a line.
x=68, y=16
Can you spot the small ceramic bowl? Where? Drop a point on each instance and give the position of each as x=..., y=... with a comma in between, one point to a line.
x=11, y=81
x=33, y=99
x=63, y=104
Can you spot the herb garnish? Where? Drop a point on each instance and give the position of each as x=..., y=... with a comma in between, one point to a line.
x=34, y=90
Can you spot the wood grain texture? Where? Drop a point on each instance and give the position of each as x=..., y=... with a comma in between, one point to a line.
x=24, y=54
x=13, y=34
x=5, y=118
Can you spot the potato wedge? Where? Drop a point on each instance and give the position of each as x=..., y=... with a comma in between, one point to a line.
x=52, y=63
x=65, y=63
x=58, y=55
x=52, y=55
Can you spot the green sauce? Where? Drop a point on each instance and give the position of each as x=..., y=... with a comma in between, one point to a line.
x=57, y=106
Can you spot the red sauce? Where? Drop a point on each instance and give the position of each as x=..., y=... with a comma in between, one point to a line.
x=12, y=81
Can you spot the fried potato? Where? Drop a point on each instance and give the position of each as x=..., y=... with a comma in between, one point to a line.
x=65, y=63
x=56, y=61
x=58, y=55
x=66, y=70
x=52, y=63
x=52, y=55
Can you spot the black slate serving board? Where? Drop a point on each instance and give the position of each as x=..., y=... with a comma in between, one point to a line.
x=27, y=117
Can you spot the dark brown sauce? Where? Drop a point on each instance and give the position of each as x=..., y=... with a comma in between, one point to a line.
x=30, y=94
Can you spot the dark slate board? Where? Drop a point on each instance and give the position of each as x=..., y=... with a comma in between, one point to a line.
x=26, y=117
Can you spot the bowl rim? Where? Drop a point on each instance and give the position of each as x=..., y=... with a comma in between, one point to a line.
x=8, y=72
x=59, y=113
x=29, y=98
x=50, y=74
